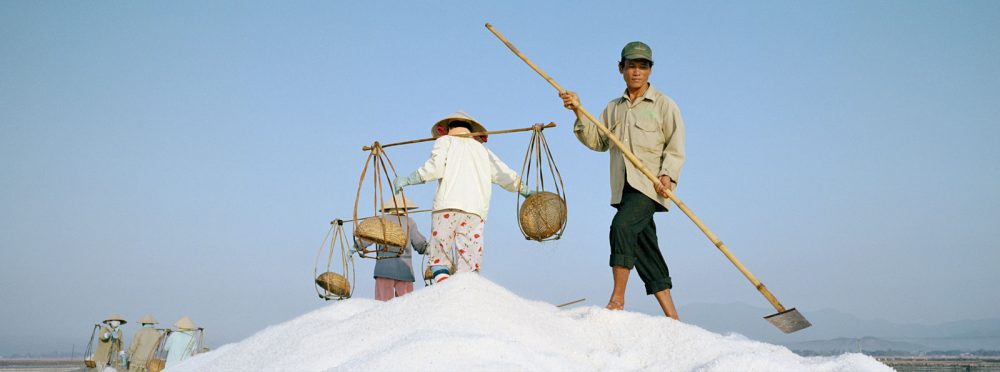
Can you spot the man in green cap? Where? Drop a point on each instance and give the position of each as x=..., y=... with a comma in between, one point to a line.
x=650, y=125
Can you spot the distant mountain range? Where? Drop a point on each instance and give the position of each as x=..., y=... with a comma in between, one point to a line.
x=834, y=330
x=844, y=344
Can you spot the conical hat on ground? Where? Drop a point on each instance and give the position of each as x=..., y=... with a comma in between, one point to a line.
x=148, y=319
x=184, y=323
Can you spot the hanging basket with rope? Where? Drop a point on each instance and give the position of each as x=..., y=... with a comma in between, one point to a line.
x=158, y=357
x=332, y=285
x=88, y=359
x=542, y=216
x=383, y=231
x=429, y=276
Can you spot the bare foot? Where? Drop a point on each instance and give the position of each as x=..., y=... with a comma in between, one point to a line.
x=616, y=304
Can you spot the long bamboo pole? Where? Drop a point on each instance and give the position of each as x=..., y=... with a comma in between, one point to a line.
x=635, y=161
x=341, y=222
x=473, y=134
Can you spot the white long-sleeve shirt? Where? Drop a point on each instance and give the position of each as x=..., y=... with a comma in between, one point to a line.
x=465, y=170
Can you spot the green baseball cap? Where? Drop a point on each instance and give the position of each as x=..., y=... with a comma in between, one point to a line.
x=637, y=50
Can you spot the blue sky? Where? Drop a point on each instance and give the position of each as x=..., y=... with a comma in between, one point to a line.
x=185, y=158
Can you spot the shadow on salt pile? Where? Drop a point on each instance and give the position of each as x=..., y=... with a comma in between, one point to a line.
x=469, y=322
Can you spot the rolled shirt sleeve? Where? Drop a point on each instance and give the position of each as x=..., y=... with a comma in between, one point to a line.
x=591, y=136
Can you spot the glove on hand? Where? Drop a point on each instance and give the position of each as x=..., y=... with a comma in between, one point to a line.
x=401, y=182
x=421, y=248
x=525, y=191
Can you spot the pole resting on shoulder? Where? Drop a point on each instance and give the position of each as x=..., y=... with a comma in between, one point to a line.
x=537, y=127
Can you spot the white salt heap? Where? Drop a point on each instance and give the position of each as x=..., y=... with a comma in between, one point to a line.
x=470, y=323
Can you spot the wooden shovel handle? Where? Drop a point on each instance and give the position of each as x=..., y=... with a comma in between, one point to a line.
x=635, y=161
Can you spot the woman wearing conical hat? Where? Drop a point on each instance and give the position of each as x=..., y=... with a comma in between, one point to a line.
x=465, y=171
x=143, y=344
x=181, y=343
x=108, y=352
x=394, y=269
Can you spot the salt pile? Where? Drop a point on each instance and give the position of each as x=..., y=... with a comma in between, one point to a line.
x=470, y=323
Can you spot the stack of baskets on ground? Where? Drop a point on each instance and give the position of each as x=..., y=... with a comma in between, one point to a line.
x=381, y=231
x=542, y=215
x=334, y=283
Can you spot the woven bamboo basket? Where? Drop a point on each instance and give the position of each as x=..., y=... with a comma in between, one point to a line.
x=542, y=215
x=155, y=365
x=90, y=363
x=372, y=229
x=334, y=283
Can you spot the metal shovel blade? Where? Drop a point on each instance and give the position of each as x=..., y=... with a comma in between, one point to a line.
x=788, y=321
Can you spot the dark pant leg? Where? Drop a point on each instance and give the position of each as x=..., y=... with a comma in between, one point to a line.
x=632, y=217
x=634, y=243
x=650, y=264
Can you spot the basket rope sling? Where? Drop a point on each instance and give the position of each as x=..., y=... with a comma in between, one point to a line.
x=331, y=285
x=158, y=359
x=384, y=232
x=542, y=216
x=88, y=359
x=152, y=363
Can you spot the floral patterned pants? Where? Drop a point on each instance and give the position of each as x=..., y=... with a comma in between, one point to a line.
x=461, y=232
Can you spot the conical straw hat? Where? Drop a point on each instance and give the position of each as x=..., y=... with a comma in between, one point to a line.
x=115, y=316
x=441, y=127
x=148, y=319
x=398, y=201
x=184, y=323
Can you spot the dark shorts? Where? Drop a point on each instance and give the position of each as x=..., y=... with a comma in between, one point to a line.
x=634, y=243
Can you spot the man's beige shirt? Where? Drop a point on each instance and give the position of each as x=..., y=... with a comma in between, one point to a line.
x=652, y=128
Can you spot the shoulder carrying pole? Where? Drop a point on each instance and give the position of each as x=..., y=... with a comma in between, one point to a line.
x=786, y=320
x=473, y=134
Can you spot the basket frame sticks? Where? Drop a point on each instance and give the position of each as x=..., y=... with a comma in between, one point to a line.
x=379, y=169
x=339, y=237
x=537, y=147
